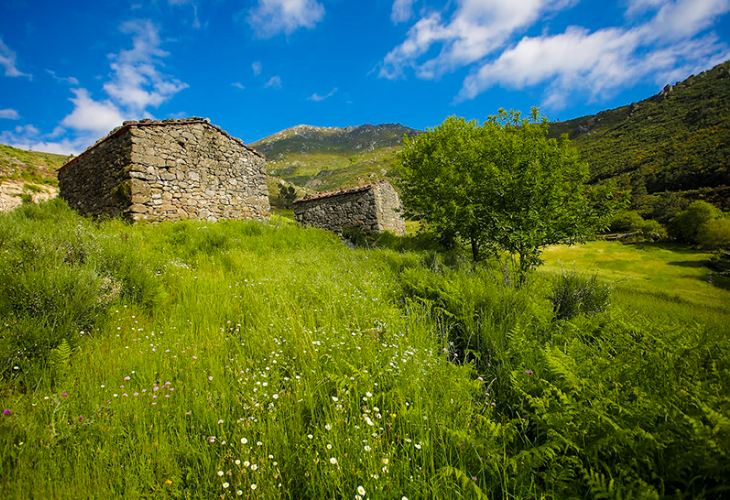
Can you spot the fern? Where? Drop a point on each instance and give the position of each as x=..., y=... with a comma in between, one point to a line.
x=602, y=488
x=558, y=364
x=445, y=474
x=60, y=356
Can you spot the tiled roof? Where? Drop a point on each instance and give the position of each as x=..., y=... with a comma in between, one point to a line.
x=338, y=192
x=157, y=123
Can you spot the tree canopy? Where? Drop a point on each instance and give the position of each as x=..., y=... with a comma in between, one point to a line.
x=502, y=185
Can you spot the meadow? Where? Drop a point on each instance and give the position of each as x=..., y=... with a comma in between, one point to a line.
x=239, y=359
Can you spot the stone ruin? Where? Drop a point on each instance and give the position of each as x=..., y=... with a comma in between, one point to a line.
x=167, y=170
x=371, y=208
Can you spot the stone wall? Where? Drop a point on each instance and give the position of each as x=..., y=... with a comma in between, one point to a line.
x=370, y=208
x=389, y=209
x=169, y=170
x=97, y=181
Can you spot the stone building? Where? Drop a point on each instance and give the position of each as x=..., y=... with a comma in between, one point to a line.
x=372, y=208
x=167, y=170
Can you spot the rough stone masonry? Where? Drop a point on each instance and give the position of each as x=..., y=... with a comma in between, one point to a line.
x=371, y=208
x=167, y=170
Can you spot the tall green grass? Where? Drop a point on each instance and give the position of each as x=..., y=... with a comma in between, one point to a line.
x=200, y=360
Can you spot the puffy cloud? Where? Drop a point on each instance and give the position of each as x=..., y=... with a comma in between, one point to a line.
x=7, y=60
x=256, y=67
x=9, y=114
x=662, y=40
x=475, y=29
x=89, y=115
x=274, y=82
x=137, y=83
x=685, y=18
x=272, y=17
x=596, y=64
x=402, y=11
x=318, y=98
x=29, y=137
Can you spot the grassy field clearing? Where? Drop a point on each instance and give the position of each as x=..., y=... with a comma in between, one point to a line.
x=663, y=279
x=246, y=360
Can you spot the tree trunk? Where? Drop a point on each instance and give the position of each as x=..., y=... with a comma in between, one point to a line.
x=475, y=249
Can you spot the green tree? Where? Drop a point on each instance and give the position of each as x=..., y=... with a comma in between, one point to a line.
x=502, y=185
x=287, y=195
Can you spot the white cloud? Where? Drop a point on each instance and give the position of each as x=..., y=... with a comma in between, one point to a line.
x=92, y=116
x=272, y=17
x=662, y=40
x=9, y=114
x=475, y=29
x=318, y=98
x=256, y=67
x=7, y=60
x=28, y=137
x=137, y=83
x=597, y=64
x=274, y=82
x=238, y=85
x=636, y=7
x=402, y=11
x=69, y=79
x=685, y=18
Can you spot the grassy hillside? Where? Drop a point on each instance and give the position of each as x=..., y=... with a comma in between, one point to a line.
x=324, y=159
x=238, y=359
x=30, y=166
x=674, y=145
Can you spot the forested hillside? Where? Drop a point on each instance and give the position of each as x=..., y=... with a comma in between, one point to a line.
x=668, y=149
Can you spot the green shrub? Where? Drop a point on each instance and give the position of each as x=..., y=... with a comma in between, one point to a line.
x=686, y=224
x=575, y=293
x=652, y=230
x=626, y=221
x=714, y=234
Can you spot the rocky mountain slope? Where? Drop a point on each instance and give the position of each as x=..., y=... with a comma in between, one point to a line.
x=325, y=158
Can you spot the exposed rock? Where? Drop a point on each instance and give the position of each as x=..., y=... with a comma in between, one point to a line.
x=10, y=192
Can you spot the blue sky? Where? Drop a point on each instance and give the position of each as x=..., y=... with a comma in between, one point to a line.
x=71, y=71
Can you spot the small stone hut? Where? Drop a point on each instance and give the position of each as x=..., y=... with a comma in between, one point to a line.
x=167, y=170
x=372, y=208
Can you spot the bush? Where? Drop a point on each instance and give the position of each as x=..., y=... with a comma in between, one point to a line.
x=626, y=221
x=574, y=294
x=714, y=234
x=686, y=224
x=652, y=230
